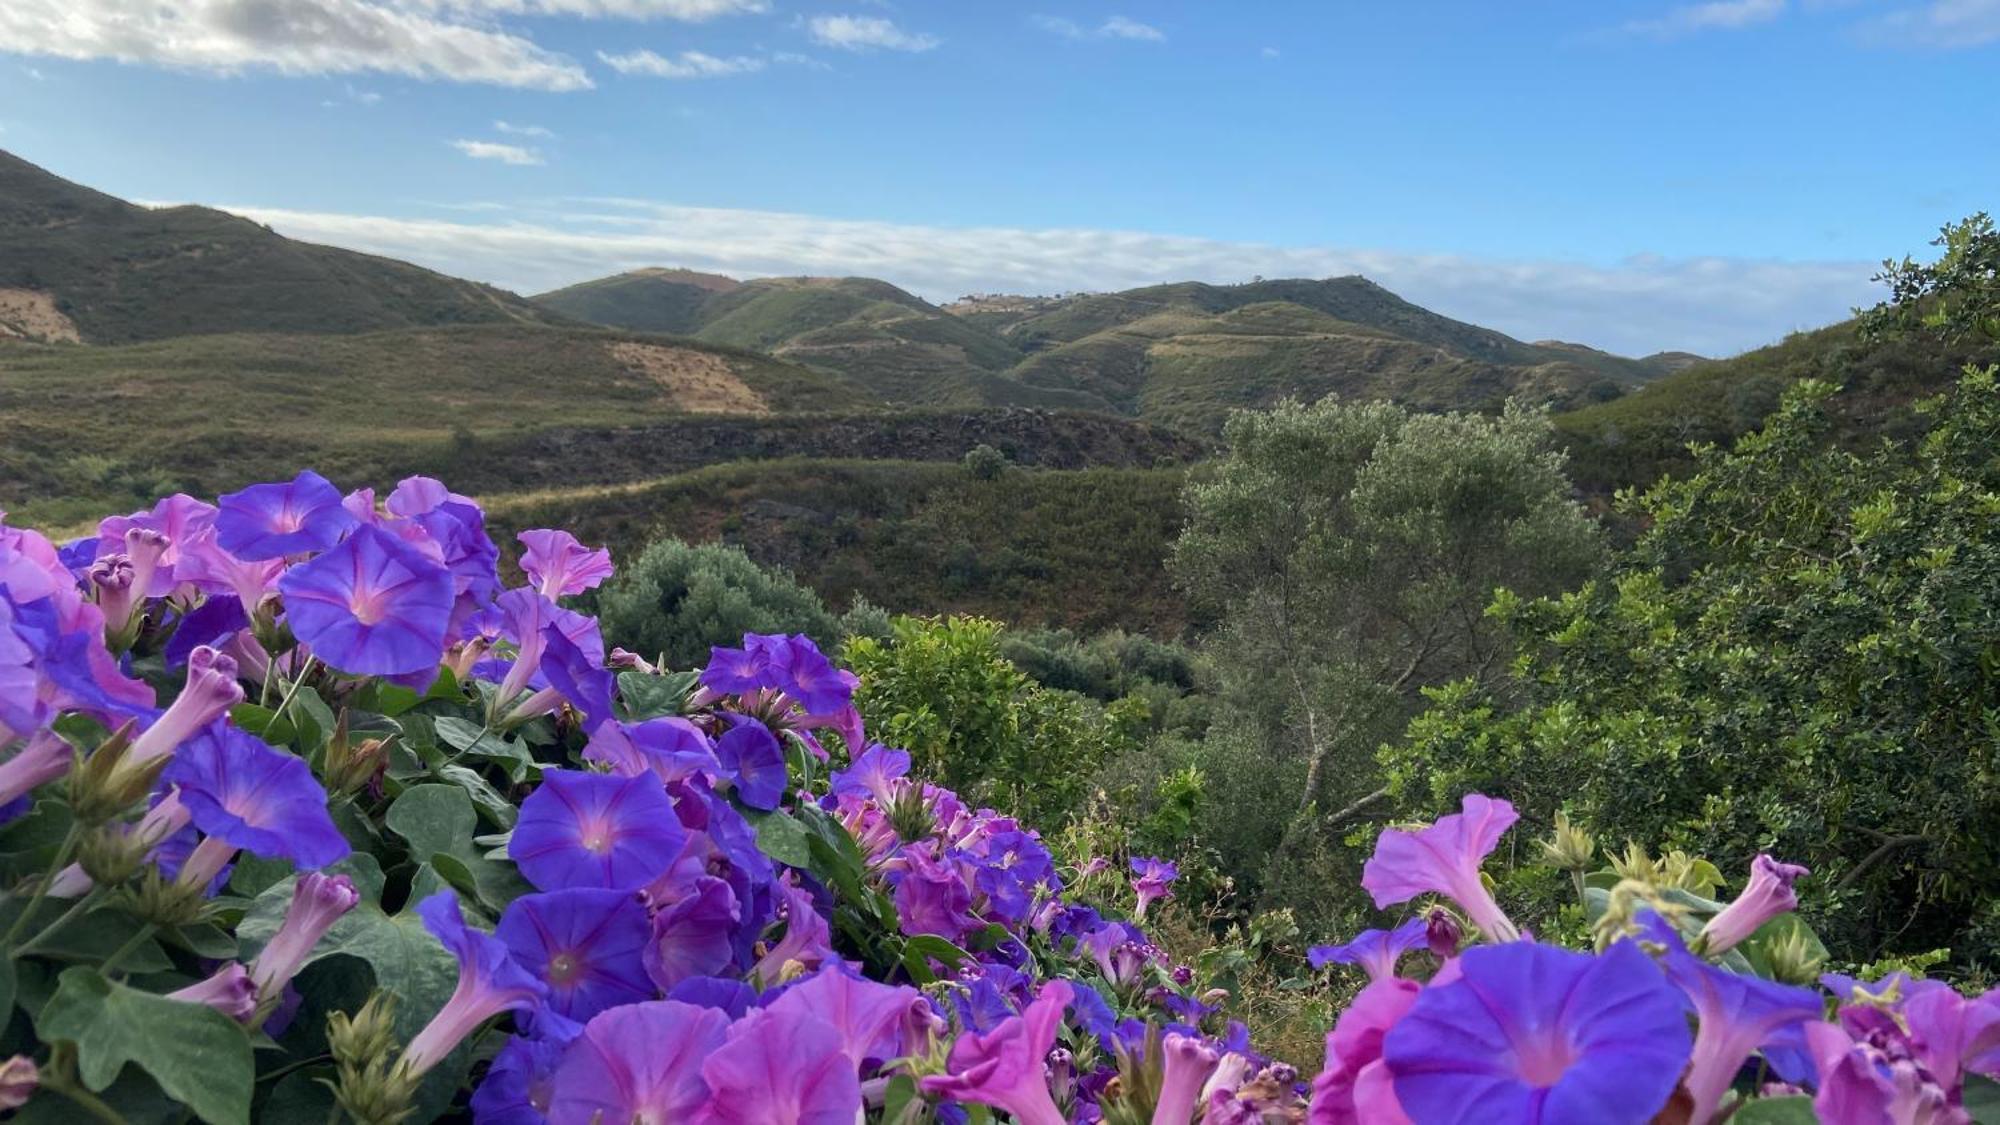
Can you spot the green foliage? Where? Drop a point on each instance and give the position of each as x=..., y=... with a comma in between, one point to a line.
x=983, y=462
x=1956, y=298
x=1798, y=656
x=1347, y=552
x=676, y=601
x=197, y=1055
x=940, y=689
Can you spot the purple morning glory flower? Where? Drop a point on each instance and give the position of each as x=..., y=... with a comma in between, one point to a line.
x=1768, y=894
x=558, y=565
x=1155, y=877
x=781, y=1066
x=808, y=941
x=733, y=671
x=587, y=944
x=372, y=606
x=271, y=521
x=727, y=995
x=251, y=796
x=1736, y=1015
x=811, y=680
x=751, y=757
x=671, y=748
x=1005, y=1067
x=1376, y=951
x=490, y=981
x=697, y=935
x=873, y=774
x=211, y=623
x=593, y=830
x=930, y=897
x=1444, y=859
x=578, y=675
x=1535, y=1034
x=869, y=1016
x=318, y=901
x=638, y=1062
x=519, y=1085
x=180, y=518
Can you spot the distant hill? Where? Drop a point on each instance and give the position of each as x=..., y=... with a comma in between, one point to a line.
x=1182, y=354
x=102, y=427
x=1633, y=440
x=79, y=265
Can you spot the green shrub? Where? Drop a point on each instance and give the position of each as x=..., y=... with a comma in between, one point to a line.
x=677, y=601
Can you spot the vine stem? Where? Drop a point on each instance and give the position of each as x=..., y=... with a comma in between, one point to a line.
x=292, y=691
x=135, y=941
x=76, y=908
x=60, y=1076
x=63, y=854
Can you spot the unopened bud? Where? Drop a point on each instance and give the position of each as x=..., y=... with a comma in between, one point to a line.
x=167, y=903
x=18, y=1079
x=1793, y=959
x=1443, y=933
x=1569, y=848
x=107, y=784
x=111, y=854
x=1635, y=864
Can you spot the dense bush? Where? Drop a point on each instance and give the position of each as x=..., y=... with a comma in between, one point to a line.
x=677, y=600
x=1801, y=654
x=1348, y=553
x=979, y=724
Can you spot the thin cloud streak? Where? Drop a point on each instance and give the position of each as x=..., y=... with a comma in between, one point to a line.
x=1715, y=306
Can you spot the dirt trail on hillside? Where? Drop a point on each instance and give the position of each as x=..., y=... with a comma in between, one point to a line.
x=29, y=314
x=699, y=382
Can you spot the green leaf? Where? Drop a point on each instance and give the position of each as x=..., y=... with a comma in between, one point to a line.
x=6, y=989
x=92, y=937
x=649, y=697
x=785, y=840
x=1776, y=1111
x=470, y=738
x=1982, y=1099
x=439, y=824
x=921, y=950
x=489, y=800
x=197, y=1055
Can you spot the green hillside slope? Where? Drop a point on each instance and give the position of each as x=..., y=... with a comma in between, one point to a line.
x=112, y=273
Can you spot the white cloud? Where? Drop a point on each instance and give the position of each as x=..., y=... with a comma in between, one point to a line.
x=1117, y=27
x=1717, y=15
x=494, y=150
x=864, y=33
x=287, y=36
x=1710, y=305
x=513, y=129
x=1269, y=52
x=691, y=11
x=1947, y=24
x=687, y=64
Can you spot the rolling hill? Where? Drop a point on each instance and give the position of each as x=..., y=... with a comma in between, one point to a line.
x=79, y=265
x=1182, y=354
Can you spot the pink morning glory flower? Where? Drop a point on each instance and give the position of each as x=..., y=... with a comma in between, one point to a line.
x=1444, y=859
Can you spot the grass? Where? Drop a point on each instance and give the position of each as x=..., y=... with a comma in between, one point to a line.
x=1082, y=549
x=84, y=430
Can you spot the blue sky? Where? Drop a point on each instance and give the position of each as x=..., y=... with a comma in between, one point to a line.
x=1632, y=175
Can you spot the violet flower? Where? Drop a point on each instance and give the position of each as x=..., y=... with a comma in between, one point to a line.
x=587, y=944
x=873, y=774
x=871, y=1018
x=1352, y=1087
x=228, y=990
x=208, y=693
x=694, y=937
x=781, y=1066
x=1736, y=1015
x=318, y=901
x=272, y=521
x=180, y=518
x=638, y=1062
x=1189, y=1060
x=19, y=1078
x=243, y=794
x=751, y=758
x=374, y=605
x=1006, y=1068
x=1768, y=895
x=808, y=941
x=1444, y=859
x=1154, y=882
x=1534, y=1034
x=45, y=758
x=559, y=566
x=489, y=982
x=593, y=830
x=1376, y=951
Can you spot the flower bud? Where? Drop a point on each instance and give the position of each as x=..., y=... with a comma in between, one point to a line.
x=1189, y=1061
x=1793, y=960
x=210, y=691
x=110, y=855
x=1442, y=933
x=167, y=903
x=228, y=990
x=45, y=758
x=105, y=785
x=318, y=901
x=18, y=1079
x=1768, y=895
x=1569, y=848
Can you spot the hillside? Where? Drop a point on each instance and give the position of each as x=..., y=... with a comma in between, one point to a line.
x=919, y=538
x=1635, y=439
x=76, y=264
x=1183, y=355
x=101, y=427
